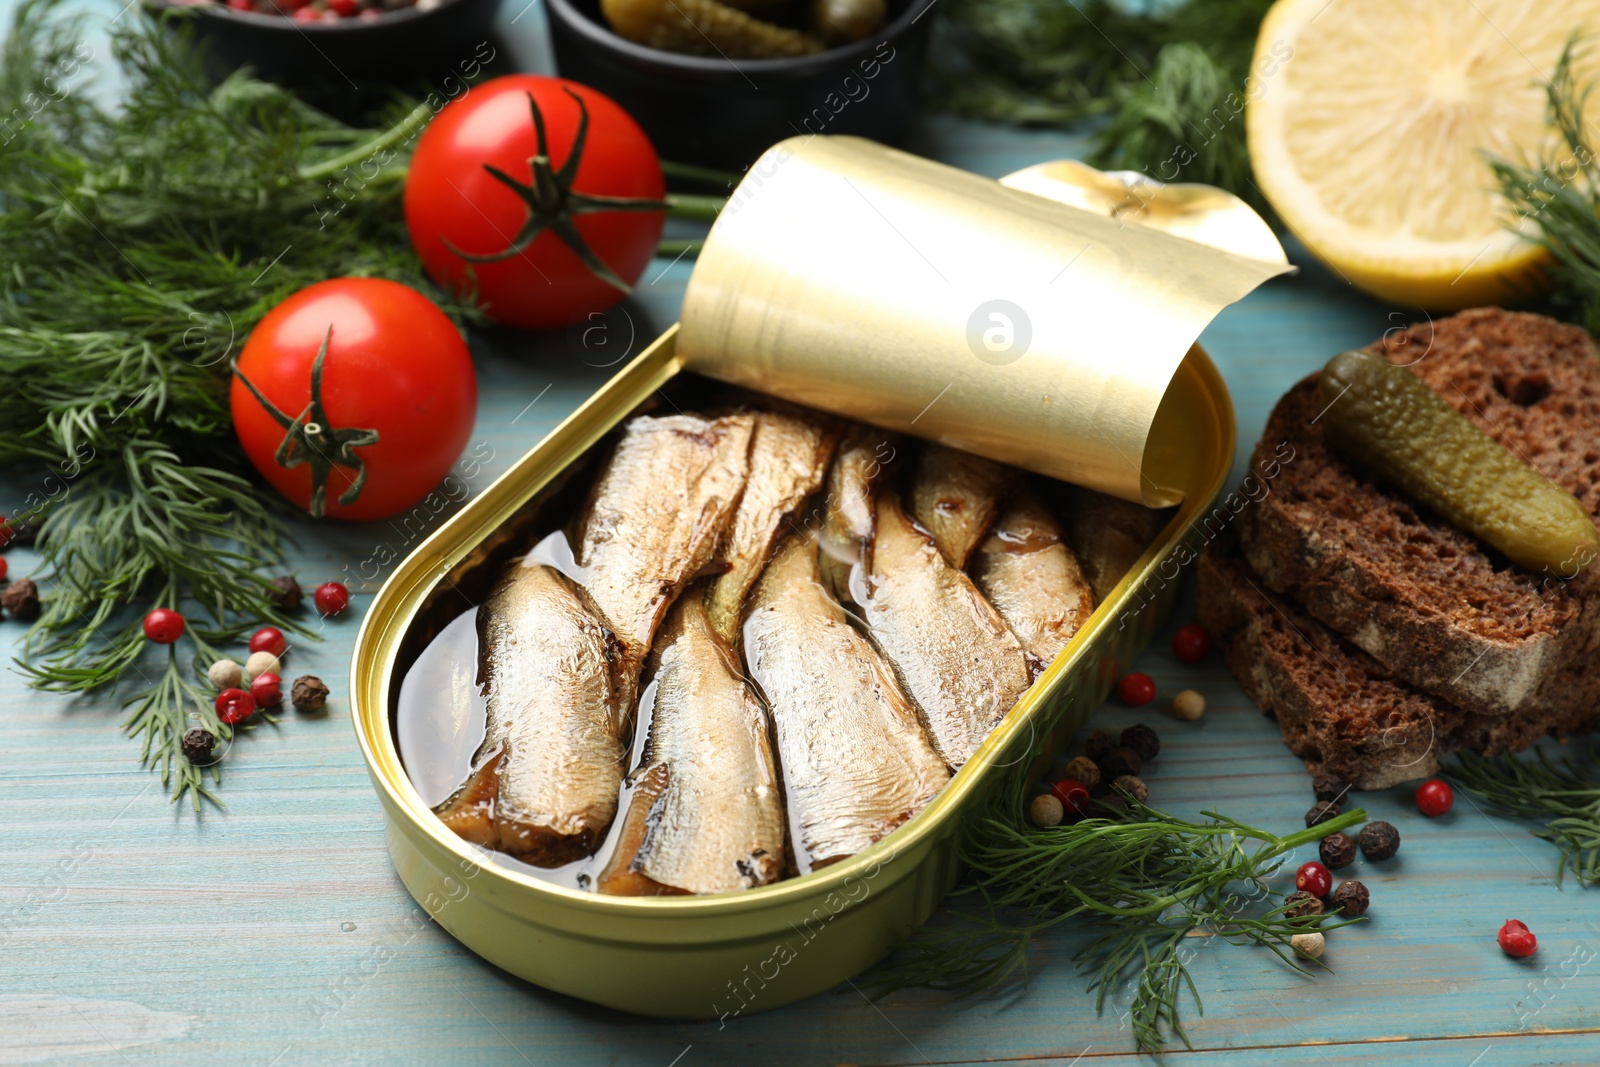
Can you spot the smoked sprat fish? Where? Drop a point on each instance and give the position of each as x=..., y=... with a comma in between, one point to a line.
x=545, y=787
x=788, y=459
x=1106, y=534
x=704, y=815
x=855, y=760
x=655, y=517
x=952, y=651
x=864, y=455
x=1032, y=578
x=955, y=496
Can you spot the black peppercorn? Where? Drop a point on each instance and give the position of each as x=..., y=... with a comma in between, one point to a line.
x=1143, y=740
x=1112, y=806
x=1321, y=811
x=1301, y=903
x=1351, y=898
x=1131, y=785
x=1338, y=850
x=1329, y=787
x=285, y=593
x=1120, y=761
x=308, y=693
x=197, y=745
x=1099, y=745
x=21, y=599
x=1379, y=841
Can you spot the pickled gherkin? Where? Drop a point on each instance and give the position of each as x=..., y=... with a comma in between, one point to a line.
x=1386, y=419
x=704, y=28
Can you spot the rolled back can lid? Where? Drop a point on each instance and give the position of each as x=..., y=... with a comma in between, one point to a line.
x=924, y=299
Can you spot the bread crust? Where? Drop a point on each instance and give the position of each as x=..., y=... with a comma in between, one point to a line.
x=1340, y=710
x=1436, y=608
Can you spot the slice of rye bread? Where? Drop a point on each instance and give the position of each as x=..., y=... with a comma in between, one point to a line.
x=1436, y=607
x=1340, y=710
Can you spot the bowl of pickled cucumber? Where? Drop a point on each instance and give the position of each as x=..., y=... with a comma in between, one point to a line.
x=717, y=82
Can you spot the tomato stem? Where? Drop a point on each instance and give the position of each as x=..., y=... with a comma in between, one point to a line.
x=677, y=247
x=705, y=175
x=311, y=438
x=686, y=206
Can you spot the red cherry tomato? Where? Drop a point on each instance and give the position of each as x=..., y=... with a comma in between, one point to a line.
x=3, y=568
x=163, y=626
x=1191, y=643
x=1435, y=797
x=1135, y=689
x=235, y=705
x=454, y=205
x=331, y=598
x=395, y=367
x=269, y=639
x=1516, y=939
x=266, y=690
x=1314, y=878
x=1074, y=797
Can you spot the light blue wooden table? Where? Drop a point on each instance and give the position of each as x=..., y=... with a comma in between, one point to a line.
x=274, y=933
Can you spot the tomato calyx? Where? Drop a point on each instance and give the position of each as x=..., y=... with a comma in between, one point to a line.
x=311, y=438
x=552, y=202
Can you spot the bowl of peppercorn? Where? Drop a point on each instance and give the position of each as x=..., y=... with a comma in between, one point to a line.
x=339, y=41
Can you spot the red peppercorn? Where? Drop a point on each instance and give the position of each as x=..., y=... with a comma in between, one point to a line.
x=1074, y=797
x=269, y=639
x=332, y=598
x=241, y=5
x=266, y=689
x=1135, y=689
x=1313, y=878
x=1191, y=643
x=308, y=14
x=163, y=626
x=345, y=8
x=235, y=705
x=1517, y=940
x=1434, y=797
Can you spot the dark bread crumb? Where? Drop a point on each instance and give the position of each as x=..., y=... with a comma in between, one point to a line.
x=1340, y=710
x=1441, y=611
x=1530, y=382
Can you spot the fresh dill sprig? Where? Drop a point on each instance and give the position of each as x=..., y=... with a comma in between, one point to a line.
x=1185, y=125
x=138, y=246
x=1560, y=195
x=1145, y=882
x=1564, y=796
x=1170, y=77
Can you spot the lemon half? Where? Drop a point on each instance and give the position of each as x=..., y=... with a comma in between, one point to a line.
x=1369, y=122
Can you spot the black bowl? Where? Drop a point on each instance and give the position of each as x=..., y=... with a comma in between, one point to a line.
x=394, y=46
x=725, y=113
